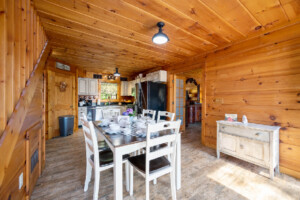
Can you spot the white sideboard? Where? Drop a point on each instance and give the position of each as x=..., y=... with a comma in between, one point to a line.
x=255, y=143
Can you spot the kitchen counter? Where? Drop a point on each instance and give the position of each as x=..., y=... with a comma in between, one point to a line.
x=93, y=112
x=102, y=106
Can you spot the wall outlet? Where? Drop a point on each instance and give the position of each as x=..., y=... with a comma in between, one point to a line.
x=20, y=181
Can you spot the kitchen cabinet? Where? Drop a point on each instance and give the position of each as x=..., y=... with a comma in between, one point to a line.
x=93, y=87
x=82, y=86
x=95, y=113
x=255, y=143
x=158, y=76
x=126, y=88
x=87, y=86
x=80, y=111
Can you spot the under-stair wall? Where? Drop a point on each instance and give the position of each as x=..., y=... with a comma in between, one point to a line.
x=22, y=40
x=23, y=55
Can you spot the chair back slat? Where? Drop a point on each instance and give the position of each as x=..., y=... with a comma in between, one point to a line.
x=161, y=152
x=91, y=142
x=166, y=114
x=161, y=140
x=171, y=126
x=149, y=112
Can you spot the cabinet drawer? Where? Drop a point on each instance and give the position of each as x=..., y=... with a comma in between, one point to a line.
x=248, y=133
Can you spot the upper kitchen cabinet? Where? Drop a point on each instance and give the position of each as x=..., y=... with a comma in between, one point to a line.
x=93, y=86
x=82, y=86
x=87, y=86
x=158, y=76
x=124, y=88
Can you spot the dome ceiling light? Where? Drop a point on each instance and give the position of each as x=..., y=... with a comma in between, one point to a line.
x=160, y=37
x=117, y=74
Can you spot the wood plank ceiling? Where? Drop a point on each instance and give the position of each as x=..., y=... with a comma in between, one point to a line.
x=100, y=35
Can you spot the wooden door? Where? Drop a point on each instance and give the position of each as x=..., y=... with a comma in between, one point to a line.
x=61, y=100
x=179, y=103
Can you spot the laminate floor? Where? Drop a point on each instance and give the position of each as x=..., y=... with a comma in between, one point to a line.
x=203, y=176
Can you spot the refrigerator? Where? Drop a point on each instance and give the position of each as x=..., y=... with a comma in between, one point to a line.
x=152, y=96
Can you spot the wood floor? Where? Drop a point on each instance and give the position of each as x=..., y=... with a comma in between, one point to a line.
x=203, y=176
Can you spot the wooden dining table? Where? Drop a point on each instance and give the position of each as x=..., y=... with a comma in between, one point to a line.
x=120, y=145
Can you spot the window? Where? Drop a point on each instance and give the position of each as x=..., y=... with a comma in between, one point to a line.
x=109, y=90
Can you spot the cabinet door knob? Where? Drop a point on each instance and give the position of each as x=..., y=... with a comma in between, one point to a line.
x=257, y=134
x=241, y=146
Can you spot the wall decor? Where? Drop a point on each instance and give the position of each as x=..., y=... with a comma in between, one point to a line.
x=62, y=86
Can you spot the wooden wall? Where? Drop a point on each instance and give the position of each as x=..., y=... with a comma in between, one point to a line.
x=22, y=39
x=58, y=102
x=259, y=78
x=22, y=59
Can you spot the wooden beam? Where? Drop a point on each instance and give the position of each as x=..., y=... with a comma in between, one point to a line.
x=12, y=130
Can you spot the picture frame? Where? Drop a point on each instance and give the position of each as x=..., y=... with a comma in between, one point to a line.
x=231, y=117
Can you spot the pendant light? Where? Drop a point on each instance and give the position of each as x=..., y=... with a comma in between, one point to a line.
x=160, y=37
x=117, y=74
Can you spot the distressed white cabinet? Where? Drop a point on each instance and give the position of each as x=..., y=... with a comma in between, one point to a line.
x=93, y=87
x=255, y=143
x=126, y=88
x=87, y=86
x=158, y=76
x=82, y=86
x=81, y=110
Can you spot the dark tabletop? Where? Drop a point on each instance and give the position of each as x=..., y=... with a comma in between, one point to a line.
x=118, y=140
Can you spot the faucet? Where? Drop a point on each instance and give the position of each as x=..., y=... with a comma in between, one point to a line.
x=109, y=99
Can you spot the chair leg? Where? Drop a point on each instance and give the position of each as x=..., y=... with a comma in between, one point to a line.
x=96, y=185
x=127, y=175
x=173, y=186
x=88, y=175
x=147, y=190
x=131, y=180
x=169, y=157
x=154, y=181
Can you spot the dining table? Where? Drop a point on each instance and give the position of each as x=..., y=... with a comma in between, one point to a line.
x=122, y=144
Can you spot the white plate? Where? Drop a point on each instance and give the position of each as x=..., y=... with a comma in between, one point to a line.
x=110, y=132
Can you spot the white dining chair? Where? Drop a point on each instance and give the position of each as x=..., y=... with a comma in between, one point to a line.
x=149, y=112
x=154, y=164
x=109, y=113
x=97, y=160
x=165, y=114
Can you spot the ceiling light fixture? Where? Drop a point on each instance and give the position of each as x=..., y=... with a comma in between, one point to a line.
x=117, y=74
x=160, y=37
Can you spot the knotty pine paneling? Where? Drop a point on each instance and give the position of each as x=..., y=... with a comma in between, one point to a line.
x=261, y=82
x=22, y=39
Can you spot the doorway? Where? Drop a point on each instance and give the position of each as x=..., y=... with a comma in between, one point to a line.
x=187, y=98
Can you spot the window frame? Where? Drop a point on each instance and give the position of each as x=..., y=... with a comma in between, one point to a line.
x=118, y=92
